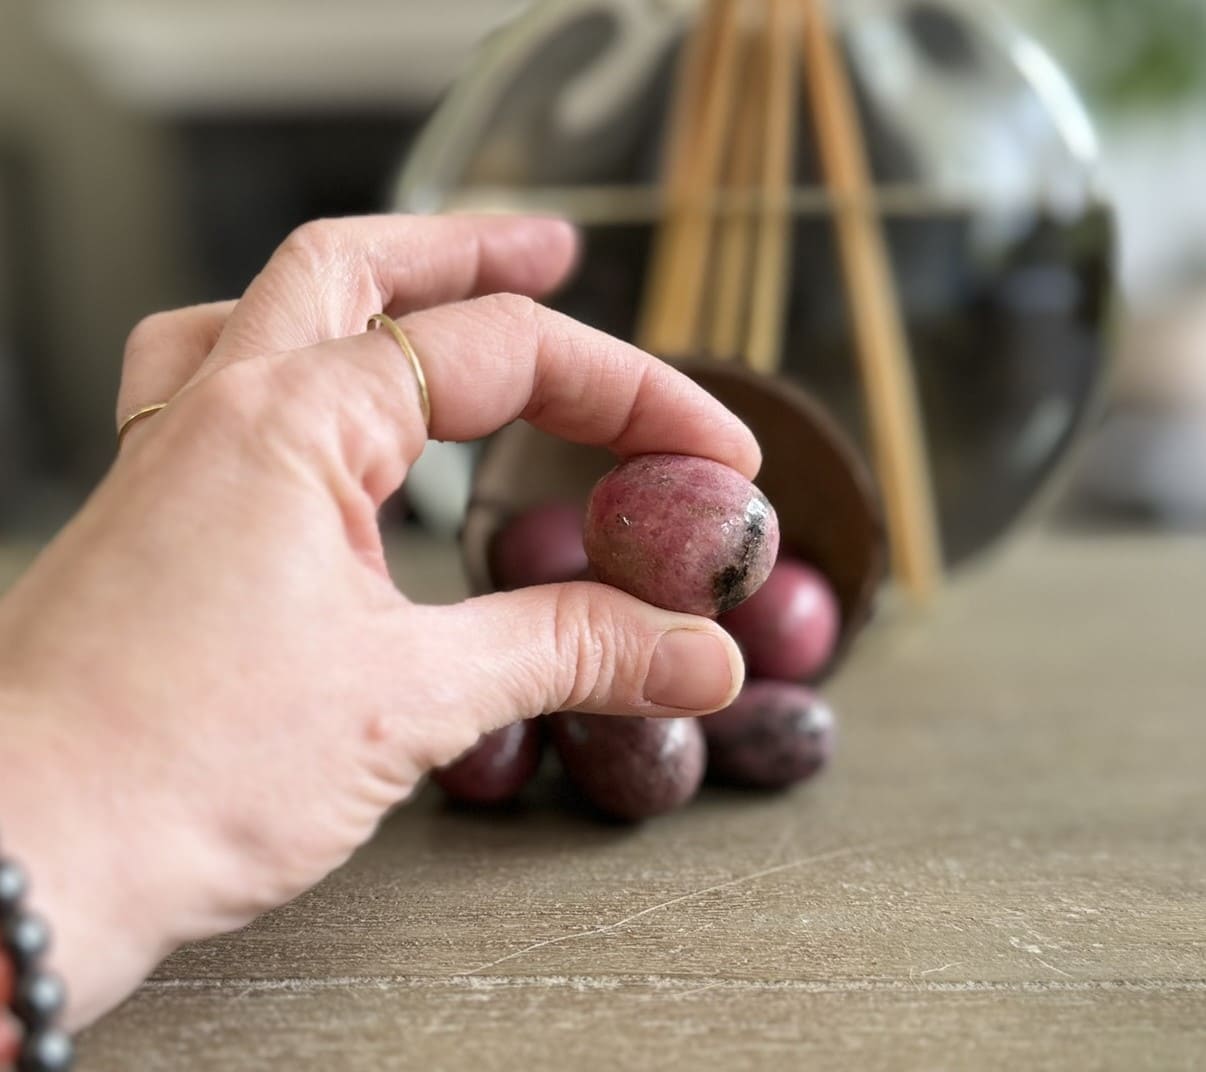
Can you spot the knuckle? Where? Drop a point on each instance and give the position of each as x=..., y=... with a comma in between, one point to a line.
x=294, y=382
x=237, y=395
x=560, y=336
x=514, y=312
x=313, y=245
x=147, y=333
x=279, y=406
x=587, y=646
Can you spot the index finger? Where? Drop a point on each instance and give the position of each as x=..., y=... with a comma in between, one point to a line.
x=497, y=359
x=329, y=276
x=504, y=357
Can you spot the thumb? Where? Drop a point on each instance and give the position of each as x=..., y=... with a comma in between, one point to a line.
x=585, y=647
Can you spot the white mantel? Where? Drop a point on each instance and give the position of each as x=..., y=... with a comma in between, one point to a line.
x=261, y=55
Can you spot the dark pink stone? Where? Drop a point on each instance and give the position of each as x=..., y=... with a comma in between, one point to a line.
x=495, y=769
x=789, y=628
x=631, y=768
x=540, y=546
x=773, y=735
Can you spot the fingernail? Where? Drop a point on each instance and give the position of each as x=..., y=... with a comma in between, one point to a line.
x=692, y=670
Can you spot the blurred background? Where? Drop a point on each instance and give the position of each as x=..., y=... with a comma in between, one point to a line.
x=154, y=152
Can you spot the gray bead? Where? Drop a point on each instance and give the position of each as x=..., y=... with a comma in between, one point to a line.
x=38, y=999
x=26, y=937
x=12, y=887
x=47, y=1051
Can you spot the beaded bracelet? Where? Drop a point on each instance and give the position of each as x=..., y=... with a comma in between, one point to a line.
x=37, y=995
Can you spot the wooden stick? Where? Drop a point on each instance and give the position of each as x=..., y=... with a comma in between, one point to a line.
x=672, y=328
x=696, y=59
x=688, y=271
x=691, y=94
x=768, y=303
x=879, y=331
x=735, y=239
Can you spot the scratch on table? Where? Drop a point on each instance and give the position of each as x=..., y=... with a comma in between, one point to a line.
x=781, y=844
x=944, y=967
x=1052, y=967
x=1034, y=951
x=850, y=850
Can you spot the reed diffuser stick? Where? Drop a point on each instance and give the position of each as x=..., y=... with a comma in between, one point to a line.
x=736, y=228
x=696, y=59
x=768, y=302
x=882, y=346
x=680, y=270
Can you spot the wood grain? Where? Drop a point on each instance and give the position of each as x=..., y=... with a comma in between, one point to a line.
x=630, y=1024
x=1006, y=868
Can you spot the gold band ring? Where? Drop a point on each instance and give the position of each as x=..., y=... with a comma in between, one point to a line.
x=135, y=417
x=381, y=320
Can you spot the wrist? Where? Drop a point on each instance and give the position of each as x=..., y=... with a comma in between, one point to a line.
x=93, y=849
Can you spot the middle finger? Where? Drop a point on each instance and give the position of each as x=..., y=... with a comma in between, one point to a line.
x=330, y=276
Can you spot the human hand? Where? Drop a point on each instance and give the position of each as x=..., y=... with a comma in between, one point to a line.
x=213, y=687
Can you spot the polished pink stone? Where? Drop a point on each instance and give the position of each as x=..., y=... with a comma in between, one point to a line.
x=684, y=533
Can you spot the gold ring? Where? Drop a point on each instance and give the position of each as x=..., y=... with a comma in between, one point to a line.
x=381, y=320
x=135, y=417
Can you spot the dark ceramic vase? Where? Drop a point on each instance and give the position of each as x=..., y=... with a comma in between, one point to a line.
x=984, y=167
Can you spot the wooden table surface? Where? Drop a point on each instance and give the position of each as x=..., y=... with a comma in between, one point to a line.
x=1005, y=868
